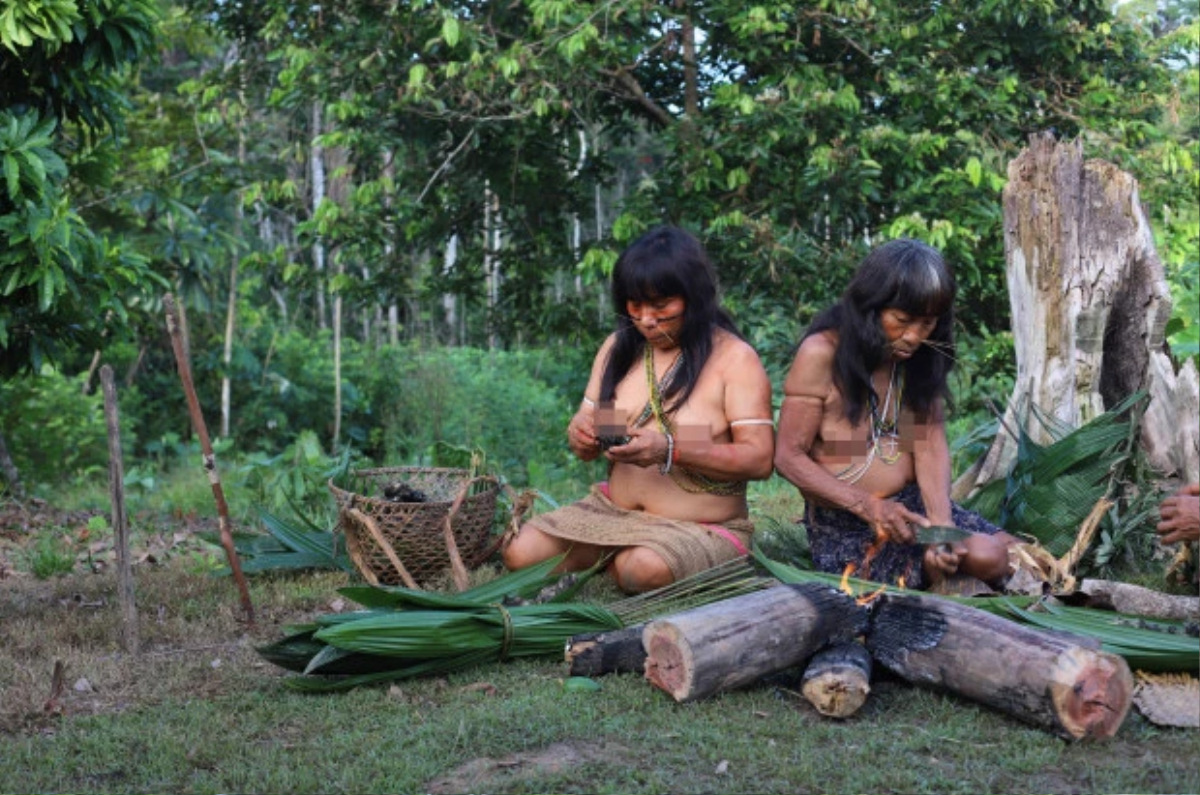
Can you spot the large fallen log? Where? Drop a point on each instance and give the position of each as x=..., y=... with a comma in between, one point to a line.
x=599, y=653
x=838, y=679
x=1043, y=679
x=734, y=642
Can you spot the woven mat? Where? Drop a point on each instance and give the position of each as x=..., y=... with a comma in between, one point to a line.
x=1168, y=699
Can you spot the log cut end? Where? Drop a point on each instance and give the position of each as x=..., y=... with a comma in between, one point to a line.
x=669, y=664
x=837, y=680
x=836, y=693
x=1091, y=692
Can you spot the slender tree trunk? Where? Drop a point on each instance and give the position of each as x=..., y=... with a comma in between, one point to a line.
x=491, y=267
x=231, y=305
x=86, y=387
x=9, y=470
x=450, y=300
x=317, y=165
x=691, y=88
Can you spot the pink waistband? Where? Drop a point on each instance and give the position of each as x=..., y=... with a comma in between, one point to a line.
x=716, y=528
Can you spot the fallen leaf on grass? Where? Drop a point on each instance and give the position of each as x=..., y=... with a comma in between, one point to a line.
x=722, y=767
x=486, y=687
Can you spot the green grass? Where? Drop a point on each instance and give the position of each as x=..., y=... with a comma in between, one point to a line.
x=199, y=711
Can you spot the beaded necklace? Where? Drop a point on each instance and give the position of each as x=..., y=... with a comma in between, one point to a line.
x=883, y=439
x=686, y=479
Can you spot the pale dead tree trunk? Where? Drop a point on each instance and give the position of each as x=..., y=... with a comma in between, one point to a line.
x=317, y=166
x=1089, y=303
x=393, y=309
x=450, y=300
x=491, y=266
x=9, y=470
x=339, y=192
x=234, y=262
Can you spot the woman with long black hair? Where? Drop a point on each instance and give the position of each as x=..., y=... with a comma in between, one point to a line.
x=861, y=430
x=680, y=406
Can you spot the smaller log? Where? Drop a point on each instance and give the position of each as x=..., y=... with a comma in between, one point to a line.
x=838, y=679
x=1138, y=601
x=1044, y=679
x=600, y=653
x=736, y=641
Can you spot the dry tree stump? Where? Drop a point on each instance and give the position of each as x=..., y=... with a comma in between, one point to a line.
x=1044, y=679
x=1090, y=303
x=737, y=641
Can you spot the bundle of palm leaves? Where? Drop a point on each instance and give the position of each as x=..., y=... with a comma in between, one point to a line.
x=403, y=633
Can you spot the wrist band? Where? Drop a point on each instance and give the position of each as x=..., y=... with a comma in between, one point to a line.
x=670, y=458
x=587, y=401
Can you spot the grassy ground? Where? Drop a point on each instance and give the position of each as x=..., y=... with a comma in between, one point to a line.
x=198, y=711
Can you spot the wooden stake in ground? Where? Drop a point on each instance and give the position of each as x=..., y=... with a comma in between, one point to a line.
x=734, y=642
x=210, y=459
x=1043, y=679
x=838, y=679
x=120, y=522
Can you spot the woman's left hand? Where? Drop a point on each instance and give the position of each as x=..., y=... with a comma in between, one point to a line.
x=645, y=449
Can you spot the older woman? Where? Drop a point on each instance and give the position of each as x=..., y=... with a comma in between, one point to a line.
x=861, y=427
x=680, y=406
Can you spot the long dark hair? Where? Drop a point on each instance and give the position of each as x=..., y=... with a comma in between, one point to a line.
x=910, y=276
x=665, y=262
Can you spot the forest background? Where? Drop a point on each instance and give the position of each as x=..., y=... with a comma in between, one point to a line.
x=390, y=225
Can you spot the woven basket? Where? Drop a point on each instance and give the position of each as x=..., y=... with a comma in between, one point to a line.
x=406, y=543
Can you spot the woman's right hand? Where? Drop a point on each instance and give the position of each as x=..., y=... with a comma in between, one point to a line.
x=581, y=435
x=890, y=519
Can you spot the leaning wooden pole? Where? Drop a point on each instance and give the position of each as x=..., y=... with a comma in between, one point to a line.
x=1041, y=678
x=210, y=459
x=736, y=641
x=120, y=520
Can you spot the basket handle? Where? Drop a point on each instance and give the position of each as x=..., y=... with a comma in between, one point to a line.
x=373, y=529
x=457, y=570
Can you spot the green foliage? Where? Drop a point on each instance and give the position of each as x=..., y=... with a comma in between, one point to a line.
x=55, y=433
x=1051, y=489
x=60, y=282
x=49, y=557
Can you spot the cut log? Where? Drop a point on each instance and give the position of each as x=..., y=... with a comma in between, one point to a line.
x=1138, y=601
x=1042, y=679
x=838, y=679
x=599, y=653
x=734, y=642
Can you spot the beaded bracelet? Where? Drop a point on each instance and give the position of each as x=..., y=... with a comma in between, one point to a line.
x=665, y=468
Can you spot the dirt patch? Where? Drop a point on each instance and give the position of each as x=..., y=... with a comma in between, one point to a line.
x=21, y=518
x=488, y=774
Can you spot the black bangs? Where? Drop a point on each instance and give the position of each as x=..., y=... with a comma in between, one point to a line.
x=923, y=288
x=651, y=280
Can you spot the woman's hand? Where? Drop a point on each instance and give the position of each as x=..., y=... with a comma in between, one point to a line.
x=942, y=560
x=645, y=449
x=891, y=520
x=581, y=435
x=1180, y=515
